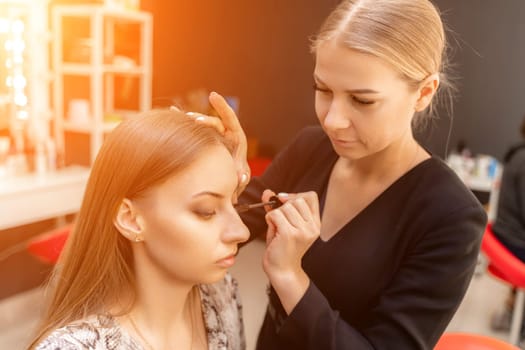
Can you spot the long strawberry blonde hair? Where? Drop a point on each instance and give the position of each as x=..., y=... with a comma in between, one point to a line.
x=96, y=265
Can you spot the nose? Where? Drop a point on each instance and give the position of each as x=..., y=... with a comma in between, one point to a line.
x=337, y=117
x=235, y=231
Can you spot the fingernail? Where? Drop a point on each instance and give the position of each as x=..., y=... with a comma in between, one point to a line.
x=244, y=177
x=201, y=118
x=282, y=194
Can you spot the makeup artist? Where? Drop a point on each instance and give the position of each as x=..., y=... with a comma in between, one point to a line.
x=399, y=232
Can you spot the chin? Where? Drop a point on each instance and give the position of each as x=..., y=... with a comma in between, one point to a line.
x=348, y=153
x=214, y=277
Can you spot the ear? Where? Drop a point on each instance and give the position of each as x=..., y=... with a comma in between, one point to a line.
x=426, y=91
x=128, y=222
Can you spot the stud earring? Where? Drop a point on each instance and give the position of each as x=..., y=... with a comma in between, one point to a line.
x=138, y=238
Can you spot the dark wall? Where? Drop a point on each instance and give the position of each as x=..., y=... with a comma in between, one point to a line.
x=488, y=40
x=257, y=50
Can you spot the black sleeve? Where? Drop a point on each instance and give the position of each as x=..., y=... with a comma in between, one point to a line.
x=416, y=306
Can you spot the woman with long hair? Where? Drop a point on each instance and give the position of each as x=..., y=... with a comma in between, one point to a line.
x=146, y=264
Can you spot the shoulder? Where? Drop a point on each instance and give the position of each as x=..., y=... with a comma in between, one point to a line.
x=515, y=153
x=441, y=200
x=516, y=157
x=94, y=332
x=436, y=180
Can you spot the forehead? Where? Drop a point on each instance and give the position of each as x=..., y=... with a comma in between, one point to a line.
x=212, y=170
x=342, y=67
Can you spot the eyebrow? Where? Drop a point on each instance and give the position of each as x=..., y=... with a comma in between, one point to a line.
x=208, y=193
x=352, y=91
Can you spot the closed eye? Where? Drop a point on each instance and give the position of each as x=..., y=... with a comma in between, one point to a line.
x=320, y=89
x=362, y=101
x=206, y=215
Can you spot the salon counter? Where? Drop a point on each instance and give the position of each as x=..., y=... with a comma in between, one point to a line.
x=36, y=197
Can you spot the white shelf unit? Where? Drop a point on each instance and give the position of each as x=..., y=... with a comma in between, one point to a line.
x=100, y=73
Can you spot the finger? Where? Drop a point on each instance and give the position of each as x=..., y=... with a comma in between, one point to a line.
x=210, y=121
x=270, y=233
x=266, y=195
x=292, y=215
x=282, y=225
x=312, y=200
x=226, y=113
x=244, y=177
x=266, y=198
x=303, y=209
x=285, y=197
x=234, y=135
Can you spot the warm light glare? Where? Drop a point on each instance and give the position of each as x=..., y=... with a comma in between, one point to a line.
x=19, y=46
x=22, y=115
x=17, y=27
x=19, y=82
x=20, y=99
x=12, y=35
x=4, y=25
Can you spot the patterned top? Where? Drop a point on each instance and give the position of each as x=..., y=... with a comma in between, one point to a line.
x=222, y=313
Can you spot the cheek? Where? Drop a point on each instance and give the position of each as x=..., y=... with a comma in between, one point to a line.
x=322, y=106
x=176, y=232
x=181, y=247
x=393, y=122
x=173, y=231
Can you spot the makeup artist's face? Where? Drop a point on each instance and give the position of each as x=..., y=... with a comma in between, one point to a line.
x=191, y=227
x=363, y=104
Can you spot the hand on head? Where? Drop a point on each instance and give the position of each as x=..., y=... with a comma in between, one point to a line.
x=228, y=124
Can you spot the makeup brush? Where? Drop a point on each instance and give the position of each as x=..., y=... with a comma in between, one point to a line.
x=274, y=202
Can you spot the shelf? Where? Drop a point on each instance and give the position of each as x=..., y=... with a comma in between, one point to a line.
x=88, y=128
x=118, y=14
x=34, y=197
x=100, y=71
x=88, y=69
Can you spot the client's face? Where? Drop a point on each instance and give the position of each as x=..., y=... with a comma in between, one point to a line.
x=191, y=229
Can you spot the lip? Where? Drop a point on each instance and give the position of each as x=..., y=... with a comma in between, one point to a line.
x=343, y=142
x=226, y=262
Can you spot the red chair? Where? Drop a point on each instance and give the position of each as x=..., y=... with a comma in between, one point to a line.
x=506, y=267
x=464, y=341
x=258, y=165
x=48, y=246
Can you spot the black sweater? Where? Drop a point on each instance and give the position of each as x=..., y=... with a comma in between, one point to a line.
x=510, y=219
x=393, y=276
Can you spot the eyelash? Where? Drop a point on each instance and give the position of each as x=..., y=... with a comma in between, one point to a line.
x=205, y=215
x=358, y=100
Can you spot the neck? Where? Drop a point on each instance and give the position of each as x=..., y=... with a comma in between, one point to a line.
x=168, y=326
x=165, y=311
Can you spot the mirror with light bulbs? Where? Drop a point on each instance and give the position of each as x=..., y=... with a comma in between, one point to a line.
x=24, y=88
